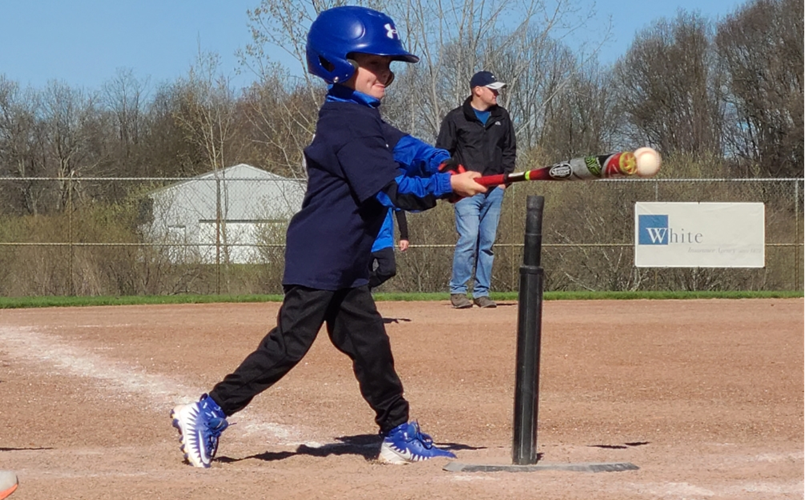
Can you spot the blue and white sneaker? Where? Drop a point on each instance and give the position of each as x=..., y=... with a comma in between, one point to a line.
x=407, y=444
x=200, y=425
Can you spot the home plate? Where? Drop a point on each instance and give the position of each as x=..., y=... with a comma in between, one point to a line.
x=579, y=467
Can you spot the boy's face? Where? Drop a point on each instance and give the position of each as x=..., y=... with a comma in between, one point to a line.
x=372, y=75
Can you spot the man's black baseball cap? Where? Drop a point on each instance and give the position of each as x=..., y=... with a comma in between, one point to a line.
x=485, y=79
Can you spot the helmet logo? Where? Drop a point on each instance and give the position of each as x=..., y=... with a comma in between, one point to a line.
x=391, y=32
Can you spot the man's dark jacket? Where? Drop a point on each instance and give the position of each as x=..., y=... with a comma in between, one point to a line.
x=489, y=149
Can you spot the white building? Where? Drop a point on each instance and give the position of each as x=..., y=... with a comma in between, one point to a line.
x=221, y=216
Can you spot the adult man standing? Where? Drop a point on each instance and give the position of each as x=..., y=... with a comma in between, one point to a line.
x=480, y=136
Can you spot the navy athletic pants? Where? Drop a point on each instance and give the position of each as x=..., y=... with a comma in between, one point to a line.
x=355, y=328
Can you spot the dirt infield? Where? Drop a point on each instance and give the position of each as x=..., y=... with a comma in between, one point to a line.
x=705, y=396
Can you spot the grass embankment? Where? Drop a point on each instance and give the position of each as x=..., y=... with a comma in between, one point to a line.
x=26, y=302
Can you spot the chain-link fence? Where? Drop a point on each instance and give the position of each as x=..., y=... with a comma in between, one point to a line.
x=225, y=235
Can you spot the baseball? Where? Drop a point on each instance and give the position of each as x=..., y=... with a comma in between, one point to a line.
x=648, y=162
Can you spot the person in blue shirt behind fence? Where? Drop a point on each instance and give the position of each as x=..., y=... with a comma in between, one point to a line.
x=383, y=249
x=358, y=168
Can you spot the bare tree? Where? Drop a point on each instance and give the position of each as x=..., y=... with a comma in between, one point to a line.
x=582, y=120
x=16, y=118
x=21, y=148
x=283, y=24
x=761, y=47
x=207, y=110
x=282, y=108
x=454, y=39
x=208, y=116
x=124, y=96
x=546, y=81
x=670, y=89
x=165, y=149
x=517, y=39
x=281, y=120
x=71, y=130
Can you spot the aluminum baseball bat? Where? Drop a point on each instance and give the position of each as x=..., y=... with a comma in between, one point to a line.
x=620, y=164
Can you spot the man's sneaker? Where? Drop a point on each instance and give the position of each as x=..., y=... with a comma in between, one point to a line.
x=200, y=425
x=460, y=301
x=8, y=483
x=406, y=444
x=485, y=302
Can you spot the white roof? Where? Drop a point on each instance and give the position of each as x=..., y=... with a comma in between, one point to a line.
x=247, y=192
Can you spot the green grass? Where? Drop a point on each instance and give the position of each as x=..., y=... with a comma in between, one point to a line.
x=27, y=302
x=21, y=302
x=607, y=295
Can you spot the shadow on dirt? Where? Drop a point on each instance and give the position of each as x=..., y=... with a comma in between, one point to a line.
x=499, y=304
x=619, y=446
x=396, y=320
x=26, y=449
x=365, y=445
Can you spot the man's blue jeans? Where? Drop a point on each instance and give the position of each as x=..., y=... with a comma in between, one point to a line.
x=477, y=225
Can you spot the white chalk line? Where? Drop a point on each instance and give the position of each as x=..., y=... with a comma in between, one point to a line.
x=156, y=392
x=159, y=392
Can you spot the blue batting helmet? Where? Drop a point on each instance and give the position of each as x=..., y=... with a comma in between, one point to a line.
x=341, y=31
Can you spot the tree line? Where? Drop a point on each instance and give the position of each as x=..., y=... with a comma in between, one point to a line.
x=726, y=94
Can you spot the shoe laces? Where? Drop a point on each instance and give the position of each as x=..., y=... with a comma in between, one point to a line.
x=420, y=436
x=215, y=424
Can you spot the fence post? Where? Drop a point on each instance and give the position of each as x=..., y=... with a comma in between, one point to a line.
x=796, y=235
x=217, y=234
x=71, y=284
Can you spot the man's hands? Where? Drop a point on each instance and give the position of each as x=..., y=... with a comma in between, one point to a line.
x=403, y=245
x=464, y=186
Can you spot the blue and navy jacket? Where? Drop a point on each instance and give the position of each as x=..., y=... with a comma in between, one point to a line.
x=358, y=167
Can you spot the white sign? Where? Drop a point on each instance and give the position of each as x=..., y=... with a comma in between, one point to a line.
x=700, y=235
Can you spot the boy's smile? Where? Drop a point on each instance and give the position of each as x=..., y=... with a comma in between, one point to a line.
x=372, y=75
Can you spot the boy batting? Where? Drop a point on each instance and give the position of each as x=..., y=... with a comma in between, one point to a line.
x=358, y=167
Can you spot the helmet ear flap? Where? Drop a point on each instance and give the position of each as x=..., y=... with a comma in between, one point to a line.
x=326, y=64
x=390, y=79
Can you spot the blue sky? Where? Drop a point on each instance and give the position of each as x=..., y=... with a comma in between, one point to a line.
x=84, y=42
